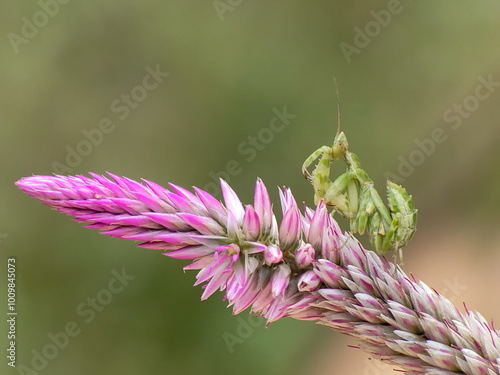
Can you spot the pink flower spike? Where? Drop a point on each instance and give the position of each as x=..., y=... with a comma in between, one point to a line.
x=304, y=268
x=251, y=223
x=308, y=281
x=280, y=280
x=273, y=255
x=233, y=203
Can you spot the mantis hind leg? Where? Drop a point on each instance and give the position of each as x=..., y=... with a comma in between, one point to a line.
x=403, y=212
x=404, y=220
x=382, y=223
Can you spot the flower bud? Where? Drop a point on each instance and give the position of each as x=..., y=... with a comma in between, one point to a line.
x=251, y=223
x=308, y=281
x=289, y=232
x=272, y=255
x=304, y=256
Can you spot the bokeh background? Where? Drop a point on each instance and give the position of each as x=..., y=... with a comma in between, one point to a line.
x=230, y=64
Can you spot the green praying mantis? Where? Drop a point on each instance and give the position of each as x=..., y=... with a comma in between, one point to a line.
x=353, y=196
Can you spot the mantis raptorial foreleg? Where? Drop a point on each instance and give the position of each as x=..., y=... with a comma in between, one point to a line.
x=322, y=151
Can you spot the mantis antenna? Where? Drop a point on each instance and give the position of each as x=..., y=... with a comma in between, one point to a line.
x=338, y=107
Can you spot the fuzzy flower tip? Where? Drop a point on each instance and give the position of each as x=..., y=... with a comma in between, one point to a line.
x=304, y=268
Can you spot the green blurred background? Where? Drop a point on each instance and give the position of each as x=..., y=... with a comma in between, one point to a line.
x=230, y=63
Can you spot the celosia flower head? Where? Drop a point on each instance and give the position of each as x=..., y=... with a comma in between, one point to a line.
x=304, y=267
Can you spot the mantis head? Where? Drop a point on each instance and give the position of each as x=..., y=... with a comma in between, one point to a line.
x=340, y=146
